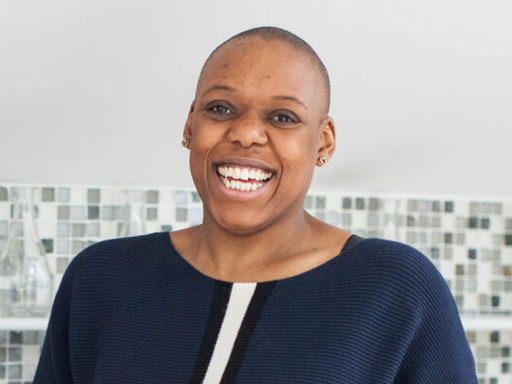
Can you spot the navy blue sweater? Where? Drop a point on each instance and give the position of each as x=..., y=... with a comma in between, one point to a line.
x=133, y=310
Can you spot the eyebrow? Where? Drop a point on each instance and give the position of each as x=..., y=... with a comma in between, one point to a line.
x=291, y=98
x=219, y=87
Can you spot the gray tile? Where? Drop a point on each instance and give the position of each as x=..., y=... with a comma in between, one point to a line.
x=63, y=212
x=62, y=229
x=320, y=215
x=181, y=214
x=78, y=230
x=3, y=354
x=15, y=354
x=373, y=204
x=4, y=194
x=152, y=197
x=181, y=197
x=93, y=212
x=62, y=264
x=424, y=205
x=122, y=213
x=320, y=202
x=15, y=337
x=474, y=208
x=411, y=237
x=436, y=238
x=3, y=337
x=152, y=214
x=63, y=195
x=93, y=195
x=508, y=224
x=346, y=220
x=472, y=286
x=360, y=203
x=48, y=245
x=92, y=230
x=166, y=228
x=62, y=247
x=77, y=212
x=487, y=208
x=48, y=194
x=373, y=220
x=308, y=202
x=30, y=337
x=423, y=221
x=195, y=197
x=78, y=246
x=109, y=212
x=346, y=203
x=14, y=371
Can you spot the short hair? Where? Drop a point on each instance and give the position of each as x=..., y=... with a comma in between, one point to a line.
x=284, y=36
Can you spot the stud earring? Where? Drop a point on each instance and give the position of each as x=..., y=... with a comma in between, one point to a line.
x=185, y=143
x=321, y=161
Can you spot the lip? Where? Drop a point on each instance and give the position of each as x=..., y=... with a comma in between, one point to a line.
x=244, y=162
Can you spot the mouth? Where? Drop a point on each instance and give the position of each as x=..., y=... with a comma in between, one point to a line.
x=245, y=179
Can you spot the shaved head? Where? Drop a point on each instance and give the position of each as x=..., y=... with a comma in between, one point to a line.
x=288, y=38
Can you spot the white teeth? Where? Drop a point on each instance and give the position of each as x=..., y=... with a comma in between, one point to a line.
x=240, y=186
x=239, y=173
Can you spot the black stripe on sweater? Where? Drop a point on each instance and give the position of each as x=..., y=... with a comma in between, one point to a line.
x=221, y=294
x=258, y=301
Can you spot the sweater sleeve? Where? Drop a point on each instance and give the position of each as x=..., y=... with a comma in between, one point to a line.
x=438, y=351
x=54, y=363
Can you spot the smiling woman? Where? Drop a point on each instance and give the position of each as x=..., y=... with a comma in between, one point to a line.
x=260, y=292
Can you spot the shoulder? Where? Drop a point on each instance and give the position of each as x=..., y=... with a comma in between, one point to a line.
x=101, y=258
x=401, y=267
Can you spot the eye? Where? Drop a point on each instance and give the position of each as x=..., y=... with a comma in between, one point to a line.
x=283, y=118
x=220, y=109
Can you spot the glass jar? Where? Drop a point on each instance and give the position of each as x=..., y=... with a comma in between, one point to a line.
x=133, y=222
x=26, y=281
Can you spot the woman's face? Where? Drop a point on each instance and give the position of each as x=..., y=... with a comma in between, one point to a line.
x=256, y=130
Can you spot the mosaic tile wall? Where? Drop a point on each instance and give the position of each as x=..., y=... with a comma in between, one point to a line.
x=470, y=241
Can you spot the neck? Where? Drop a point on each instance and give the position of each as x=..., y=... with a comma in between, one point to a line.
x=232, y=256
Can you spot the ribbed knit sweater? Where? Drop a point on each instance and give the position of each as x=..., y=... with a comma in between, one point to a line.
x=133, y=310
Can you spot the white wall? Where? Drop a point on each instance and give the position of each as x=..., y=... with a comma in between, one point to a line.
x=96, y=92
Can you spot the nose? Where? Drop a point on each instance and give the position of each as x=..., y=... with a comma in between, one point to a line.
x=247, y=131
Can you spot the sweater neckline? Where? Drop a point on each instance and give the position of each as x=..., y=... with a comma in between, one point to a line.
x=318, y=270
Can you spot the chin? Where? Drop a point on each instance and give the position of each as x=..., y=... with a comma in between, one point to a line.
x=240, y=224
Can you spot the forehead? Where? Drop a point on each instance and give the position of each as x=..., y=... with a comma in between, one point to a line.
x=261, y=64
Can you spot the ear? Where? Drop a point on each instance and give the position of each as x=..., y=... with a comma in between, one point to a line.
x=327, y=138
x=187, y=131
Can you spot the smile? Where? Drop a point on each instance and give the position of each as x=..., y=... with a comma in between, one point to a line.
x=242, y=178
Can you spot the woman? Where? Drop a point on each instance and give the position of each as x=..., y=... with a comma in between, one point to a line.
x=260, y=292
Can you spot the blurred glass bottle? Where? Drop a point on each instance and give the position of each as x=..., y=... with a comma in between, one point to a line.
x=133, y=213
x=26, y=281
